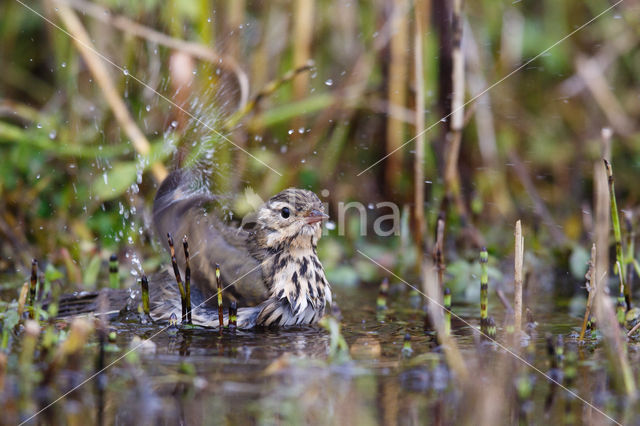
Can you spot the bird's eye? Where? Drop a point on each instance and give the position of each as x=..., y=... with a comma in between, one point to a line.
x=285, y=212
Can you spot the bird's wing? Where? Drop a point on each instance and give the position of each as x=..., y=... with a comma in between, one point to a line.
x=180, y=208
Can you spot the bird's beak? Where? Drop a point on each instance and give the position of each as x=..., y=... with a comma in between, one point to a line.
x=315, y=215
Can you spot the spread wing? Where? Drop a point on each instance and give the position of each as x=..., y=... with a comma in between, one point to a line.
x=180, y=208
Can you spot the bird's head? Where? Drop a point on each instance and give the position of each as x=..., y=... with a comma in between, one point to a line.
x=292, y=217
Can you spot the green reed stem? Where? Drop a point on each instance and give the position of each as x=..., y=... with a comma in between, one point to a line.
x=621, y=304
x=631, y=238
x=615, y=220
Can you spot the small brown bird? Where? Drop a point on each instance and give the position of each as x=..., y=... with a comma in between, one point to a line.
x=271, y=270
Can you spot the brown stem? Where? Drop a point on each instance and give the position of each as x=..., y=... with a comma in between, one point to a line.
x=96, y=66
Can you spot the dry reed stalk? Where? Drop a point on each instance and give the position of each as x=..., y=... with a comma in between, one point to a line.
x=396, y=89
x=519, y=262
x=438, y=251
x=633, y=330
x=601, y=208
x=94, y=63
x=302, y=37
x=262, y=56
x=454, y=136
x=234, y=18
x=598, y=85
x=348, y=94
x=22, y=298
x=181, y=67
x=591, y=283
x=494, y=187
x=418, y=165
x=539, y=207
x=194, y=49
x=607, y=55
x=452, y=353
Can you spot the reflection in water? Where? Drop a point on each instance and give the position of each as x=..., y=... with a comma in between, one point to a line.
x=196, y=376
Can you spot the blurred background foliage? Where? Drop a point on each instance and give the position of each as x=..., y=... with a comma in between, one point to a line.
x=74, y=188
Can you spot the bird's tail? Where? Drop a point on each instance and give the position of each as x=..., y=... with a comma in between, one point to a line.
x=104, y=302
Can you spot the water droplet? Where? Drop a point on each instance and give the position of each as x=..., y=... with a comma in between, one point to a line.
x=38, y=176
x=208, y=19
x=39, y=126
x=148, y=108
x=329, y=82
x=370, y=206
x=290, y=131
x=283, y=149
x=330, y=225
x=303, y=161
x=125, y=71
x=301, y=130
x=63, y=65
x=52, y=134
x=174, y=124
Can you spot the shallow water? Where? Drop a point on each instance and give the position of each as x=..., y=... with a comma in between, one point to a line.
x=288, y=376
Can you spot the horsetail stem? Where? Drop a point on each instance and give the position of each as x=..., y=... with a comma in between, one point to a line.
x=32, y=288
x=492, y=329
x=114, y=278
x=484, y=291
x=406, y=347
x=187, y=278
x=144, y=284
x=176, y=271
x=219, y=284
x=381, y=302
x=233, y=315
